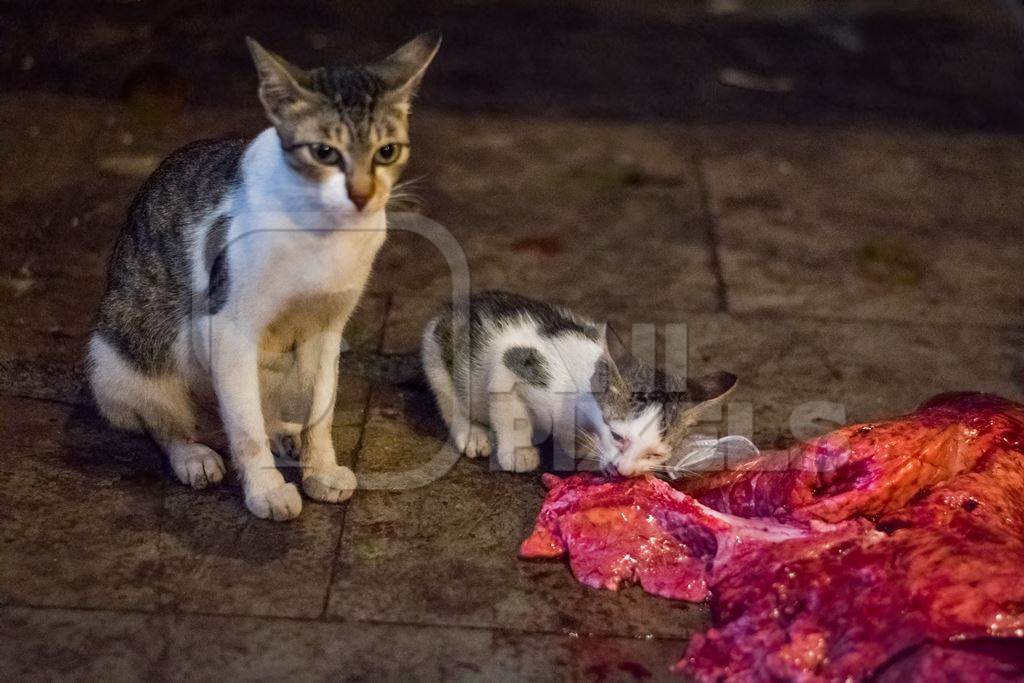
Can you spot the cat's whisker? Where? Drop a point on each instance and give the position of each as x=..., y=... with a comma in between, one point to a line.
x=402, y=195
x=404, y=201
x=405, y=182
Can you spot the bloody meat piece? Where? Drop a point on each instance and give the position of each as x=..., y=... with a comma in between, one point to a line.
x=894, y=548
x=988, y=659
x=868, y=469
x=641, y=530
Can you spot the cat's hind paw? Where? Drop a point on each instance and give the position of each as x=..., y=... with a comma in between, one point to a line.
x=522, y=459
x=286, y=446
x=279, y=504
x=197, y=465
x=331, y=485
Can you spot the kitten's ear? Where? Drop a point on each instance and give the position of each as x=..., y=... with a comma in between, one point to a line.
x=711, y=387
x=403, y=70
x=284, y=88
x=615, y=350
x=708, y=392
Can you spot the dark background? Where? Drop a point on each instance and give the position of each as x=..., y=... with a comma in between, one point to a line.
x=950, y=64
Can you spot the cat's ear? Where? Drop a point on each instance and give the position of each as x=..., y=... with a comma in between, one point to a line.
x=708, y=392
x=711, y=387
x=284, y=88
x=403, y=70
x=615, y=350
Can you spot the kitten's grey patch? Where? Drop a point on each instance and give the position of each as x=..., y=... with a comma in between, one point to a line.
x=499, y=308
x=552, y=321
x=149, y=284
x=528, y=365
x=216, y=259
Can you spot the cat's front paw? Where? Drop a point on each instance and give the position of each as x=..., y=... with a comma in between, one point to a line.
x=522, y=459
x=331, y=485
x=279, y=503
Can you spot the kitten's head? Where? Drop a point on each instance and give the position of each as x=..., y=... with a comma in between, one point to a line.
x=346, y=125
x=647, y=412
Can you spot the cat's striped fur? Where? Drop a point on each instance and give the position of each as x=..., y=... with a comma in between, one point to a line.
x=239, y=266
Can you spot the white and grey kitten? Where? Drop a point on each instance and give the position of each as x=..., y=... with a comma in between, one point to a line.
x=528, y=370
x=238, y=267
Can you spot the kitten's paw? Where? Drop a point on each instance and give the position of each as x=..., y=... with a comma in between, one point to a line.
x=331, y=485
x=477, y=443
x=279, y=504
x=522, y=459
x=197, y=465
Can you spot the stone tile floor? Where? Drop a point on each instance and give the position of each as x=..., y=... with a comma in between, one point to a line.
x=845, y=261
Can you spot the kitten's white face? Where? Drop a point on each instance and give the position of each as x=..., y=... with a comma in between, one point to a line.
x=639, y=407
x=635, y=445
x=647, y=413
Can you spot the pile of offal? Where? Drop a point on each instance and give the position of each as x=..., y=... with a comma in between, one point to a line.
x=890, y=551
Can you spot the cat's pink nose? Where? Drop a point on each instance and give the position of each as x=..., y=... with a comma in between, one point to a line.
x=360, y=200
x=360, y=190
x=625, y=469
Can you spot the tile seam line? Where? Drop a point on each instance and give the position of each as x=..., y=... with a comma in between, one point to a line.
x=329, y=620
x=356, y=451
x=696, y=162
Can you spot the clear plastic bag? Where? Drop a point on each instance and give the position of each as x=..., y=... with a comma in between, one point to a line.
x=703, y=454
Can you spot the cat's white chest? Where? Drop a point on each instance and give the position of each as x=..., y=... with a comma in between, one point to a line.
x=291, y=262
x=298, y=255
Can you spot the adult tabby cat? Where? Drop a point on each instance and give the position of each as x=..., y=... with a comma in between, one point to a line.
x=238, y=267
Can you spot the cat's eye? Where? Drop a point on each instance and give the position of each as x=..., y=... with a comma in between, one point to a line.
x=325, y=154
x=388, y=154
x=618, y=438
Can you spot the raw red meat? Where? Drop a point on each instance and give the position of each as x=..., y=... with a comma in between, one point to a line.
x=893, y=549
